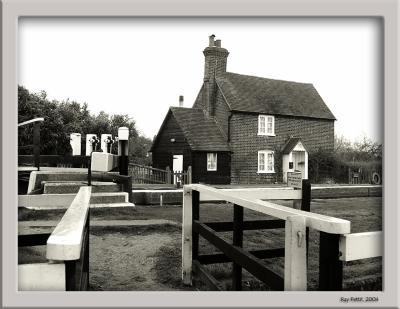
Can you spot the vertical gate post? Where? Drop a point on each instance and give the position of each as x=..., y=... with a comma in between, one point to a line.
x=295, y=254
x=89, y=164
x=196, y=216
x=70, y=276
x=306, y=203
x=306, y=195
x=187, y=222
x=237, y=241
x=330, y=267
x=36, y=144
x=85, y=266
x=123, y=150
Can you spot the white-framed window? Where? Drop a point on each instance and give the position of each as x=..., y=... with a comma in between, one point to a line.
x=266, y=125
x=266, y=161
x=212, y=161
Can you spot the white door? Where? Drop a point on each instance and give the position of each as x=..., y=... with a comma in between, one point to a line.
x=177, y=164
x=299, y=162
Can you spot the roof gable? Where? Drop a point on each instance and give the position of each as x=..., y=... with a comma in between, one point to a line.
x=201, y=132
x=293, y=143
x=270, y=96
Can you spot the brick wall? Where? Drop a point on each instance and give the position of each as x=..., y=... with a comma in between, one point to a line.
x=245, y=143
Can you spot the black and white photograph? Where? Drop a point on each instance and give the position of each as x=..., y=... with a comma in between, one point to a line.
x=200, y=154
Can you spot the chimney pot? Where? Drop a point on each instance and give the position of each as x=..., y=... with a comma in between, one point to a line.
x=211, y=40
x=218, y=43
x=181, y=101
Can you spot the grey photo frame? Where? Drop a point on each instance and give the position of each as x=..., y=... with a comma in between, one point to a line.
x=387, y=10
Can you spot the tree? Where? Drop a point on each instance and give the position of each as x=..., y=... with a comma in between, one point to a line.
x=66, y=117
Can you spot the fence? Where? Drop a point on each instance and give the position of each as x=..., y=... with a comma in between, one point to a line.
x=67, y=251
x=148, y=175
x=335, y=240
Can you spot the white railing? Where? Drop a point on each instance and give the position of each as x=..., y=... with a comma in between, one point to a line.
x=65, y=242
x=67, y=252
x=360, y=246
x=243, y=198
x=30, y=121
x=296, y=223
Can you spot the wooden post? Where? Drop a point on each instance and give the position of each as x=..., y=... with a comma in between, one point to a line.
x=306, y=204
x=187, y=222
x=70, y=275
x=123, y=158
x=295, y=254
x=168, y=180
x=36, y=144
x=89, y=163
x=189, y=174
x=237, y=241
x=330, y=267
x=87, y=248
x=348, y=171
x=127, y=187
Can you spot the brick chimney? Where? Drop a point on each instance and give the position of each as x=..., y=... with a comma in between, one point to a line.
x=215, y=58
x=215, y=64
x=181, y=101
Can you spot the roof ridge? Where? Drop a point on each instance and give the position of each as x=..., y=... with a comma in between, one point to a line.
x=266, y=78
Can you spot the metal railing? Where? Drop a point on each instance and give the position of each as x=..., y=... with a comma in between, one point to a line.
x=142, y=174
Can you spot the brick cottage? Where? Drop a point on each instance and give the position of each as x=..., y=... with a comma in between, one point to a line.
x=244, y=129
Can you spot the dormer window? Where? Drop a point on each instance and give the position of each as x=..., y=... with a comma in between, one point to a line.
x=266, y=125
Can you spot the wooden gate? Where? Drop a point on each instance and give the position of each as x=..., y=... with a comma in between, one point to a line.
x=335, y=238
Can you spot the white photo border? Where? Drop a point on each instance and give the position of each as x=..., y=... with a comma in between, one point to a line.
x=388, y=10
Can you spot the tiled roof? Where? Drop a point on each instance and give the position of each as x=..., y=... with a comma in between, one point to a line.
x=271, y=96
x=201, y=132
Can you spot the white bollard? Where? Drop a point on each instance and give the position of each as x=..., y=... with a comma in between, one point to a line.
x=75, y=141
x=103, y=144
x=89, y=148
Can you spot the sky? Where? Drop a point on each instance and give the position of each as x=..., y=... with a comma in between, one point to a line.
x=140, y=66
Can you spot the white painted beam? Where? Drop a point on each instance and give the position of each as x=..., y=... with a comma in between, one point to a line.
x=257, y=193
x=316, y=221
x=65, y=242
x=359, y=246
x=30, y=121
x=41, y=277
x=295, y=254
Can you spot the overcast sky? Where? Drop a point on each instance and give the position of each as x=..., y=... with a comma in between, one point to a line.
x=140, y=66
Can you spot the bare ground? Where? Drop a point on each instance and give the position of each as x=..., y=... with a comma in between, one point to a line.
x=148, y=258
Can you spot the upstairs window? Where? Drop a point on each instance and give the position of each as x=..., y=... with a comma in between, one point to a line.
x=266, y=161
x=266, y=125
x=211, y=161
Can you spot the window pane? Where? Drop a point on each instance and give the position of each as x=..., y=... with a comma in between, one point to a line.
x=270, y=163
x=261, y=161
x=211, y=161
x=261, y=124
x=270, y=121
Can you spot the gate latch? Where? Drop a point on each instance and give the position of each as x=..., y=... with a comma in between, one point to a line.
x=300, y=237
